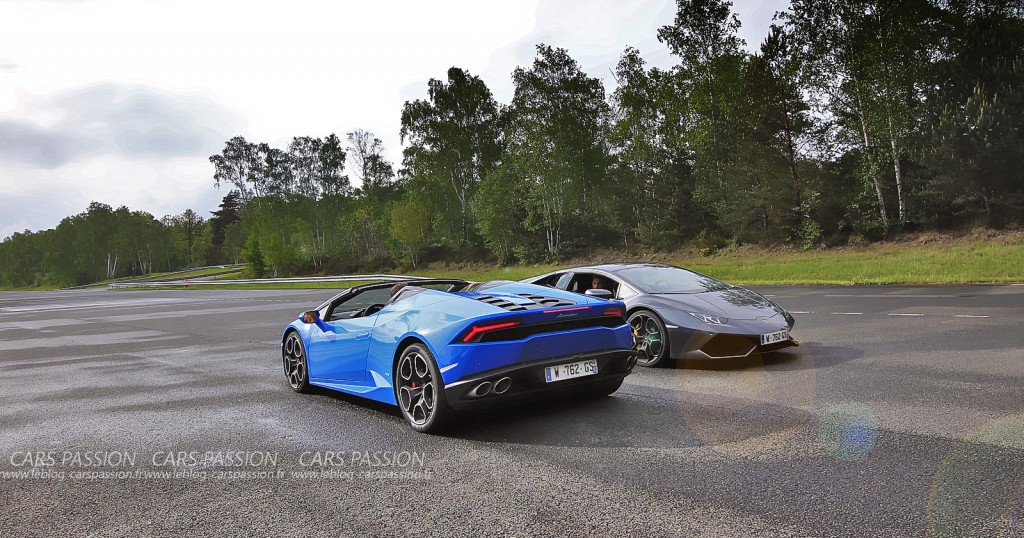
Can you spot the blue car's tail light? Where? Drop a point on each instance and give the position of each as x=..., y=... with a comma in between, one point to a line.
x=615, y=312
x=477, y=332
x=516, y=331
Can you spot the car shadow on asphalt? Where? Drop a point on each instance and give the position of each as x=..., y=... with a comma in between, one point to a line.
x=667, y=421
x=668, y=418
x=541, y=422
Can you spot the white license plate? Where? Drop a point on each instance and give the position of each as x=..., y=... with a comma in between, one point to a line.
x=569, y=371
x=772, y=338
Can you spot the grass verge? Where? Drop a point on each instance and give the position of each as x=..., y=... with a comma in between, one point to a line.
x=980, y=257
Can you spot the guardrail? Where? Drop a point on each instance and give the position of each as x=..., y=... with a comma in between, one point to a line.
x=228, y=268
x=297, y=280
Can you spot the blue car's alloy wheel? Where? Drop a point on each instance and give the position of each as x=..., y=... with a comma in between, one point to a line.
x=649, y=337
x=293, y=354
x=418, y=389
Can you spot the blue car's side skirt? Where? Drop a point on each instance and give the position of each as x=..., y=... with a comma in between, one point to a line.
x=380, y=389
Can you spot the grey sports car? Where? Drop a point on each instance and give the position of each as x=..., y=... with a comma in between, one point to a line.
x=680, y=314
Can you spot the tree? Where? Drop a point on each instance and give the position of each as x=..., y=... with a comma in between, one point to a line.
x=318, y=166
x=331, y=168
x=373, y=171
x=253, y=256
x=454, y=141
x=775, y=195
x=224, y=217
x=556, y=140
x=22, y=259
x=410, y=225
x=974, y=145
x=234, y=242
x=863, y=62
x=500, y=209
x=704, y=37
x=190, y=225
x=237, y=165
x=653, y=165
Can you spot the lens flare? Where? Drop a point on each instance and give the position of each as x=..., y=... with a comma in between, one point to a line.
x=979, y=489
x=748, y=407
x=848, y=431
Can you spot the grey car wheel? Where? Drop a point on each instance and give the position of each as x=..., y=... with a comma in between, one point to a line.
x=650, y=338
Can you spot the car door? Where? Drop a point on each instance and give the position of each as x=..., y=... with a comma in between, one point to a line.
x=338, y=345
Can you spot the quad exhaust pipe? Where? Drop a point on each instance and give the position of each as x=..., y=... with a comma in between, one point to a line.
x=483, y=389
x=500, y=386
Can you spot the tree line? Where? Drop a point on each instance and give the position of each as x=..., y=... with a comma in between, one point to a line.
x=103, y=243
x=851, y=118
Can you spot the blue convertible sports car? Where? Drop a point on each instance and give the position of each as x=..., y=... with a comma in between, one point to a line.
x=439, y=346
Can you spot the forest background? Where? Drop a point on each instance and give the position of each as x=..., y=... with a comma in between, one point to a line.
x=854, y=121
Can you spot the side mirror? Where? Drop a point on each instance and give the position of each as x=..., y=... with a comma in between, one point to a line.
x=312, y=316
x=599, y=293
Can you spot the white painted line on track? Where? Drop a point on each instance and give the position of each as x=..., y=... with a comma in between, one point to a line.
x=913, y=315
x=969, y=316
x=799, y=312
x=847, y=313
x=903, y=296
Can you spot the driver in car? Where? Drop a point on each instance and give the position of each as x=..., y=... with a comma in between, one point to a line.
x=397, y=288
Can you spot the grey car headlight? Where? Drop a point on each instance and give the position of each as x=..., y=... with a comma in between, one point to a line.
x=709, y=319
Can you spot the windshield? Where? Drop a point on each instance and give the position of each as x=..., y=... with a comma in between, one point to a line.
x=670, y=280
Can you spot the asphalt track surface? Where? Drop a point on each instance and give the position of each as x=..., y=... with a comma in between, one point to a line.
x=902, y=414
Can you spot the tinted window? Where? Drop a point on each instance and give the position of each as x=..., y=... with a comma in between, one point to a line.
x=670, y=280
x=550, y=281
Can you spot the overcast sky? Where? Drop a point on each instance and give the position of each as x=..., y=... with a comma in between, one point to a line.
x=123, y=102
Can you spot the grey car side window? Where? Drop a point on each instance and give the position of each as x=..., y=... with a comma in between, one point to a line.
x=625, y=292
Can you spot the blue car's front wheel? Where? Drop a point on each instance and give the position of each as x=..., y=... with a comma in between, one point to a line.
x=293, y=355
x=420, y=390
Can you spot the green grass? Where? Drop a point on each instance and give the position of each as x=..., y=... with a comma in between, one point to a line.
x=29, y=288
x=232, y=273
x=918, y=260
x=122, y=279
x=892, y=263
x=943, y=262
